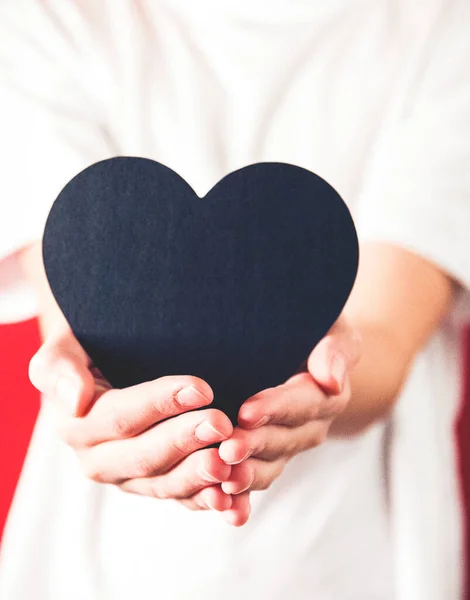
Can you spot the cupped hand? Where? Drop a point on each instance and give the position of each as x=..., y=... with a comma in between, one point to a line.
x=278, y=423
x=126, y=437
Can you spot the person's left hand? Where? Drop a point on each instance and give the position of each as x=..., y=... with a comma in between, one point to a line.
x=278, y=423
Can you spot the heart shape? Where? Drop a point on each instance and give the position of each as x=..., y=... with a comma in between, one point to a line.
x=236, y=287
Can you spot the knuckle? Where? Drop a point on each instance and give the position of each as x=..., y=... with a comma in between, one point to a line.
x=172, y=406
x=184, y=445
x=164, y=408
x=158, y=491
x=312, y=412
x=280, y=413
x=144, y=467
x=121, y=425
x=314, y=406
x=293, y=446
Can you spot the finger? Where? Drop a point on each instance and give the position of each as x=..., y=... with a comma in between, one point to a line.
x=241, y=477
x=196, y=471
x=125, y=413
x=157, y=450
x=239, y=513
x=272, y=442
x=253, y=474
x=213, y=498
x=292, y=404
x=209, y=498
x=60, y=370
x=334, y=356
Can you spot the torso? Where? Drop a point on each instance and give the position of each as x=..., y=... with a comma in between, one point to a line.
x=305, y=85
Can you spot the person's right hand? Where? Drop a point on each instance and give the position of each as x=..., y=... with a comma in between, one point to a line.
x=125, y=437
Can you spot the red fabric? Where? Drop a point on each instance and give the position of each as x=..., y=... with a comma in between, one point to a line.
x=20, y=402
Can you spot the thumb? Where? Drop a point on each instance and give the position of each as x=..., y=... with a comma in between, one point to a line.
x=61, y=371
x=334, y=356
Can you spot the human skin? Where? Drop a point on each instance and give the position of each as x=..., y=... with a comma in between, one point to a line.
x=351, y=379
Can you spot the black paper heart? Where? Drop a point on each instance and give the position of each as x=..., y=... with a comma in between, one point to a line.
x=236, y=287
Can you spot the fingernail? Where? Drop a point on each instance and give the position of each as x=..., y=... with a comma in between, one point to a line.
x=206, y=432
x=240, y=460
x=338, y=369
x=210, y=504
x=249, y=484
x=66, y=390
x=191, y=396
x=208, y=477
x=259, y=423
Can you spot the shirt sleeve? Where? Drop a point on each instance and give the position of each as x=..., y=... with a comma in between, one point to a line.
x=50, y=125
x=416, y=190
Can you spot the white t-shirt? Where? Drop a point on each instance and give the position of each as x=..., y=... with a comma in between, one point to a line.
x=374, y=96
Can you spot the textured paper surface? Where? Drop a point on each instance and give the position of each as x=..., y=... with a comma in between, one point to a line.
x=236, y=287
